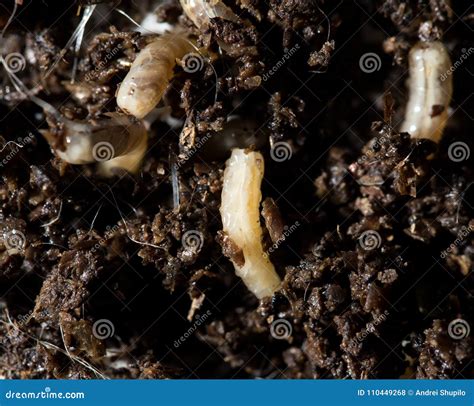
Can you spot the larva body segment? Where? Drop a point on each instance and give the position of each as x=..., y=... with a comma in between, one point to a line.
x=198, y=11
x=130, y=162
x=116, y=142
x=201, y=11
x=430, y=90
x=150, y=73
x=119, y=141
x=240, y=215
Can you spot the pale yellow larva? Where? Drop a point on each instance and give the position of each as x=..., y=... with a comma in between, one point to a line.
x=150, y=74
x=430, y=89
x=240, y=216
x=118, y=142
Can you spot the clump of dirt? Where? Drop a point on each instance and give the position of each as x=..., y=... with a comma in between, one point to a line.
x=129, y=277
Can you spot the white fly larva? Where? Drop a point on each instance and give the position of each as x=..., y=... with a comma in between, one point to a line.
x=135, y=150
x=150, y=74
x=118, y=142
x=201, y=11
x=240, y=215
x=430, y=90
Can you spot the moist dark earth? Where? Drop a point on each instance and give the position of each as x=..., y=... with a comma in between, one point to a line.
x=112, y=250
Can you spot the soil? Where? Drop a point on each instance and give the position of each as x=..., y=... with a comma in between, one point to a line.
x=104, y=283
